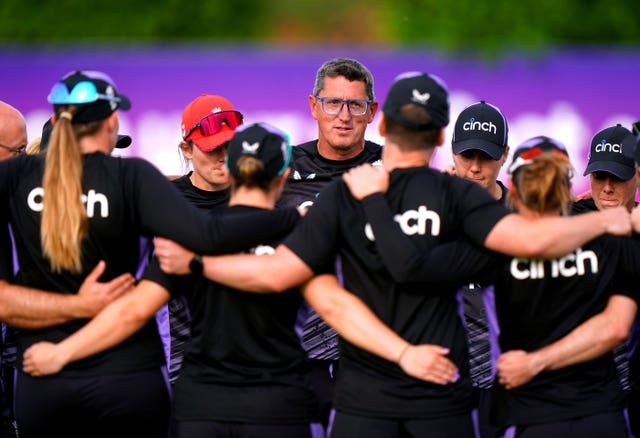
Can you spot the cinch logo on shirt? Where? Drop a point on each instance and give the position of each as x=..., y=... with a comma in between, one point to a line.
x=474, y=124
x=91, y=201
x=603, y=146
x=571, y=265
x=413, y=222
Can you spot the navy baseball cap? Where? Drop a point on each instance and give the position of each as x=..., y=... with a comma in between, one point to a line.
x=92, y=91
x=481, y=126
x=263, y=142
x=124, y=141
x=606, y=153
x=423, y=89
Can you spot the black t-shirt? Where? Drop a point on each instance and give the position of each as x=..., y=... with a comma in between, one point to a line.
x=244, y=361
x=125, y=198
x=203, y=199
x=311, y=172
x=432, y=208
x=538, y=302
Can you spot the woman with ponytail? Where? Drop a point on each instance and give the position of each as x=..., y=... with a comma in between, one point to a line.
x=74, y=206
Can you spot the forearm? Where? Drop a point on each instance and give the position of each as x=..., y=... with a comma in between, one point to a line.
x=115, y=323
x=593, y=338
x=276, y=272
x=545, y=237
x=28, y=308
x=352, y=319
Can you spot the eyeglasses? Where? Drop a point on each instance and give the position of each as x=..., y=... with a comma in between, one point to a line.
x=17, y=151
x=82, y=92
x=212, y=124
x=333, y=105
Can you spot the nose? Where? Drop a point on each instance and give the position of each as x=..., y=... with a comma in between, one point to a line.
x=344, y=113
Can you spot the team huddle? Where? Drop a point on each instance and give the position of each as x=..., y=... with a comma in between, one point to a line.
x=334, y=288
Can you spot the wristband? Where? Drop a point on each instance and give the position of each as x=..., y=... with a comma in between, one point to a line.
x=402, y=352
x=195, y=265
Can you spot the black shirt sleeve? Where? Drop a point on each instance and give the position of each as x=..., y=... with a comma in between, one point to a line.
x=458, y=261
x=162, y=210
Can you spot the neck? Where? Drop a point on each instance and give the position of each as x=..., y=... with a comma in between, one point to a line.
x=395, y=158
x=205, y=185
x=339, y=153
x=252, y=197
x=496, y=191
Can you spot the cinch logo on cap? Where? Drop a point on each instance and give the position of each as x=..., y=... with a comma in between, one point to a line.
x=419, y=97
x=473, y=125
x=603, y=146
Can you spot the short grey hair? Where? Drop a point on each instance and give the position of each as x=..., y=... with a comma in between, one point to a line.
x=350, y=69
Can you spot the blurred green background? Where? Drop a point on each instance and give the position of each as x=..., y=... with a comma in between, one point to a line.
x=489, y=28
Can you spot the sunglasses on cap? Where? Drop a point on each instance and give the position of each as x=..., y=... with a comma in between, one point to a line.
x=82, y=92
x=213, y=123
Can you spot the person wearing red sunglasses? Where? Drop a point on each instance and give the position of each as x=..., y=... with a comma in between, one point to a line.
x=208, y=123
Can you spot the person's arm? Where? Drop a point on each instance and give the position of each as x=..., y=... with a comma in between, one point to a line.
x=549, y=237
x=28, y=308
x=591, y=339
x=515, y=234
x=163, y=211
x=355, y=322
x=111, y=326
x=459, y=261
x=275, y=272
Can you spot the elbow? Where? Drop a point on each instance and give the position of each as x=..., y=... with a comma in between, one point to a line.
x=133, y=316
x=618, y=334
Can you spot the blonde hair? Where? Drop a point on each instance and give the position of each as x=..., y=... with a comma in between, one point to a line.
x=64, y=217
x=544, y=185
x=251, y=173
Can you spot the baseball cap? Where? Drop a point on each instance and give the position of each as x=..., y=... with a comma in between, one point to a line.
x=92, y=91
x=481, y=126
x=262, y=141
x=124, y=141
x=209, y=134
x=606, y=153
x=423, y=89
x=531, y=148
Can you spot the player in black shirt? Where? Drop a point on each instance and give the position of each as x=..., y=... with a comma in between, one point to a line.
x=343, y=104
x=373, y=396
x=538, y=303
x=70, y=209
x=207, y=187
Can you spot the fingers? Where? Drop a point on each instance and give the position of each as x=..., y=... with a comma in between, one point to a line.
x=121, y=284
x=97, y=271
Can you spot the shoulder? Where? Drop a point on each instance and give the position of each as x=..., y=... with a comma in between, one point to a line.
x=309, y=148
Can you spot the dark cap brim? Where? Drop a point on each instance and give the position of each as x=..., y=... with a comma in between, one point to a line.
x=124, y=141
x=623, y=172
x=495, y=151
x=124, y=103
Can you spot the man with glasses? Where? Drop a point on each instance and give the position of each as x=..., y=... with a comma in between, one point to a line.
x=13, y=132
x=13, y=142
x=343, y=104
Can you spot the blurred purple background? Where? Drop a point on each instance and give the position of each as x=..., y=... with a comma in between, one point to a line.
x=565, y=94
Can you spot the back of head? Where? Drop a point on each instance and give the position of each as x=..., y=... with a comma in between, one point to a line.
x=81, y=100
x=481, y=126
x=416, y=109
x=348, y=68
x=257, y=154
x=541, y=174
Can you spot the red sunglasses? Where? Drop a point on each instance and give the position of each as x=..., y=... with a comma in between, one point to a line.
x=212, y=124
